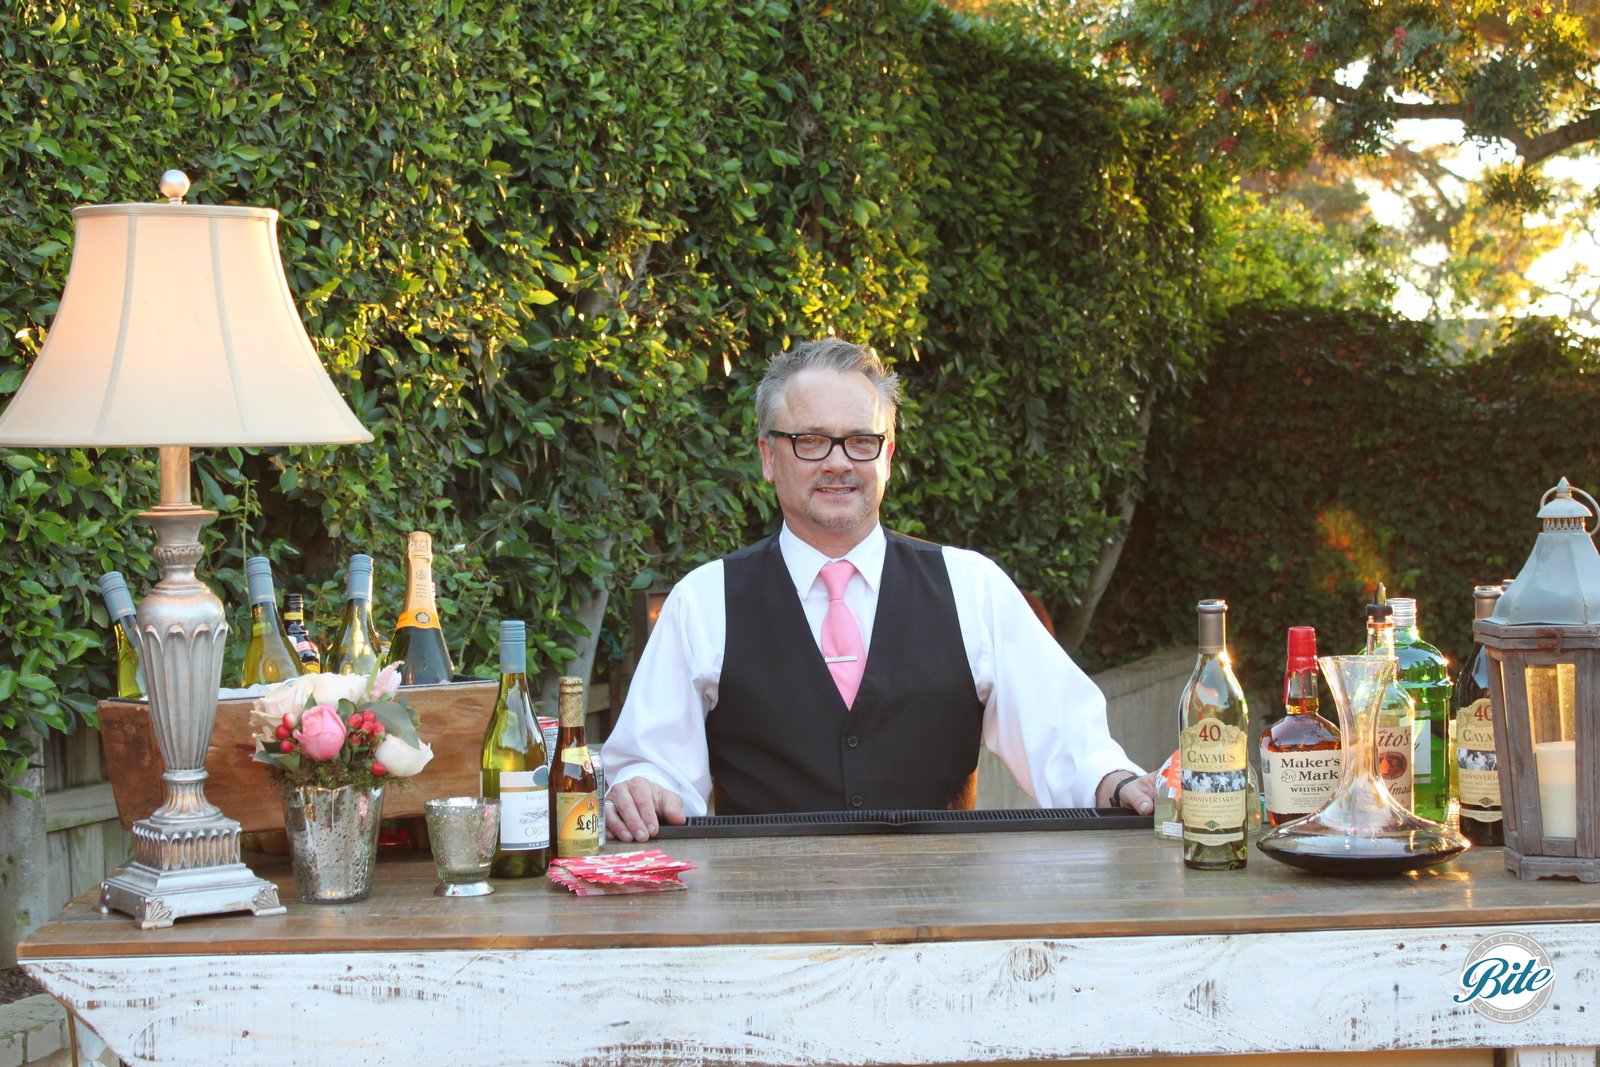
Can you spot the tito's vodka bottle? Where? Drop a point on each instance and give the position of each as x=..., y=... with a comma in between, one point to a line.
x=1396, y=715
x=1299, y=752
x=1477, y=770
x=1215, y=750
x=1424, y=674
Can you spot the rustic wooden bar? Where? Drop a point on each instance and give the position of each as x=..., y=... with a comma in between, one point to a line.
x=1006, y=947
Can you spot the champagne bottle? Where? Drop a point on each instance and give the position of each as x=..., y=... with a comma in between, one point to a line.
x=1300, y=755
x=1477, y=769
x=418, y=640
x=294, y=625
x=513, y=766
x=1214, y=744
x=355, y=648
x=572, y=782
x=1424, y=673
x=269, y=657
x=1396, y=713
x=125, y=631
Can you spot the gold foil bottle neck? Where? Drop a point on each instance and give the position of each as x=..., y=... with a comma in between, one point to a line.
x=572, y=710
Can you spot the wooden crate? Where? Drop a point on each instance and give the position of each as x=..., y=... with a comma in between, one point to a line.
x=454, y=717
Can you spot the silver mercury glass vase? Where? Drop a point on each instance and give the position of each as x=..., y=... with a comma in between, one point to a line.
x=333, y=840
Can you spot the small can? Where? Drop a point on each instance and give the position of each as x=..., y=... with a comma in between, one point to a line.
x=599, y=785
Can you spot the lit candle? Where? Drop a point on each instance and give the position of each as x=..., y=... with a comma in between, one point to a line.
x=1558, y=787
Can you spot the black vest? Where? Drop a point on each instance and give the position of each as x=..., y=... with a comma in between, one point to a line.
x=781, y=738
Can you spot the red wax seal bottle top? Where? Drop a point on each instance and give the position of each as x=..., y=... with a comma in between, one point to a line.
x=1302, y=646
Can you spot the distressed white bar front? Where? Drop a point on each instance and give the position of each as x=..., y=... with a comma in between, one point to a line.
x=915, y=1003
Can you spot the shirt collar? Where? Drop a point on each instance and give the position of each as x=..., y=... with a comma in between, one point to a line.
x=805, y=562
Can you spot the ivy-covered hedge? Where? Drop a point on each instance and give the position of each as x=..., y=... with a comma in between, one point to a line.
x=544, y=247
x=1332, y=450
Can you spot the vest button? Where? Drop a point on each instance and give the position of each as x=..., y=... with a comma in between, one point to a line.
x=852, y=741
x=855, y=801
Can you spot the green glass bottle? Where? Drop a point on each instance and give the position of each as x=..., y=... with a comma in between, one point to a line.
x=418, y=639
x=125, y=630
x=1424, y=673
x=356, y=648
x=1215, y=752
x=513, y=766
x=269, y=657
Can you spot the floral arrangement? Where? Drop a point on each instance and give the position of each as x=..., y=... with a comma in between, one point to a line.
x=334, y=730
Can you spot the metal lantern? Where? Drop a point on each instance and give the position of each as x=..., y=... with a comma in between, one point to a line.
x=1543, y=643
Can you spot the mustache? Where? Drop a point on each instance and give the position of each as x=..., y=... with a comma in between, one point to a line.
x=846, y=481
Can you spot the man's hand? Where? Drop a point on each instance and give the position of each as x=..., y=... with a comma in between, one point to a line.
x=1139, y=794
x=636, y=808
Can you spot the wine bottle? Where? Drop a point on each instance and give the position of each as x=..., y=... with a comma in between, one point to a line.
x=1424, y=673
x=1300, y=754
x=1477, y=769
x=294, y=625
x=355, y=648
x=572, y=782
x=418, y=639
x=513, y=766
x=269, y=657
x=1214, y=742
x=125, y=631
x=1396, y=713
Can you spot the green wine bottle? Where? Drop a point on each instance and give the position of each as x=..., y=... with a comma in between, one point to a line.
x=1214, y=743
x=1424, y=673
x=513, y=766
x=355, y=648
x=269, y=657
x=294, y=625
x=125, y=629
x=418, y=640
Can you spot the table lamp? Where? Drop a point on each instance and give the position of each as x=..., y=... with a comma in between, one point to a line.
x=177, y=330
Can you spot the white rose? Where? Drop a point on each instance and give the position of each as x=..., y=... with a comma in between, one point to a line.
x=401, y=760
x=331, y=688
x=288, y=697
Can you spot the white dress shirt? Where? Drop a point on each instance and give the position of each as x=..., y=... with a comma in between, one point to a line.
x=1042, y=716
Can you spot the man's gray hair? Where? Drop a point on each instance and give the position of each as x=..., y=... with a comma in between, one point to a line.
x=831, y=354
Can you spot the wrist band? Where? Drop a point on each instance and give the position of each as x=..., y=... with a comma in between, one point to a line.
x=1116, y=794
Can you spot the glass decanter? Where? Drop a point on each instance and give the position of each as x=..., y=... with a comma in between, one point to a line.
x=1361, y=830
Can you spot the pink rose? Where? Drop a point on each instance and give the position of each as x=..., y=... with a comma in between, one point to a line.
x=387, y=682
x=322, y=732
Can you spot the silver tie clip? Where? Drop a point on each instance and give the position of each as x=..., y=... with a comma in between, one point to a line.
x=840, y=659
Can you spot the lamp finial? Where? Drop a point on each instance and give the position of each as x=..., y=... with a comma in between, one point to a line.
x=174, y=183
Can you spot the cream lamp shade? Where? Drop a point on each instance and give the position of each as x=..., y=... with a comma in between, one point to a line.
x=177, y=329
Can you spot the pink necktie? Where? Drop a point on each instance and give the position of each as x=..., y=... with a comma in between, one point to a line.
x=841, y=636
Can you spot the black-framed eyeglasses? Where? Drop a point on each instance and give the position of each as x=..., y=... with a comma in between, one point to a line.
x=816, y=447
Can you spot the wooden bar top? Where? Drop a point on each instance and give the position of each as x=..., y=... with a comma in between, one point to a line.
x=852, y=890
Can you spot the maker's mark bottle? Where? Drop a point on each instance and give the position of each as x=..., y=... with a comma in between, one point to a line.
x=1214, y=746
x=1300, y=755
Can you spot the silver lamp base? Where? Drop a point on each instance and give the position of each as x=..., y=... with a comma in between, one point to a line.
x=196, y=880
x=186, y=854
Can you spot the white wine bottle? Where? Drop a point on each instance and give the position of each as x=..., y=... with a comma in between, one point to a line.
x=572, y=781
x=125, y=629
x=1214, y=742
x=418, y=639
x=355, y=648
x=514, y=767
x=269, y=657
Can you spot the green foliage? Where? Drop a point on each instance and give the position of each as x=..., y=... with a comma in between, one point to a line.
x=545, y=248
x=1331, y=450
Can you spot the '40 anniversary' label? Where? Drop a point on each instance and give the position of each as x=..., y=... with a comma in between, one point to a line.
x=1214, y=777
